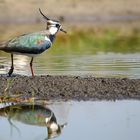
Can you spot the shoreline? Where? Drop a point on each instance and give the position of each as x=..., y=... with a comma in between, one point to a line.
x=70, y=87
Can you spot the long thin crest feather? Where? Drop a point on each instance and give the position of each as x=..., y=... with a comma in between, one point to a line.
x=43, y=15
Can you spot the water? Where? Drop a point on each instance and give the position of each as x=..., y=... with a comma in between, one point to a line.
x=100, y=120
x=99, y=65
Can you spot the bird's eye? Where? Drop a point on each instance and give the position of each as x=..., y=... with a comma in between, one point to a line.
x=57, y=25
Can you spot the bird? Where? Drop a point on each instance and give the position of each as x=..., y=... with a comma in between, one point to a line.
x=34, y=115
x=32, y=44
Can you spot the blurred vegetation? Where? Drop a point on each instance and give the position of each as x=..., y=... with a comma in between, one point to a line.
x=99, y=40
x=87, y=41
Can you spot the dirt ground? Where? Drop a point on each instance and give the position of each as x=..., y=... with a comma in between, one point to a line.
x=70, y=88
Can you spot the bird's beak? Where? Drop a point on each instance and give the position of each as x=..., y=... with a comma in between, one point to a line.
x=62, y=30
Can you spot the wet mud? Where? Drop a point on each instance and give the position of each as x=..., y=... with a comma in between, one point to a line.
x=70, y=87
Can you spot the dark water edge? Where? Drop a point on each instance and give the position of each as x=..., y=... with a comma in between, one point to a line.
x=70, y=87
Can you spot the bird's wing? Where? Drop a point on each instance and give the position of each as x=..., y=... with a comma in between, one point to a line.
x=5, y=43
x=24, y=42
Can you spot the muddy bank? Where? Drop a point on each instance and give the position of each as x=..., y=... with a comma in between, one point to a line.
x=68, y=87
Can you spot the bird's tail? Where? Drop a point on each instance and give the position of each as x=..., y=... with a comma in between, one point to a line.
x=2, y=45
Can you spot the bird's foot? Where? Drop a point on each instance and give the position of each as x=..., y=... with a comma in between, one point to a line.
x=10, y=71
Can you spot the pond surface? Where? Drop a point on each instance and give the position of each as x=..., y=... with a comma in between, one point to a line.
x=99, y=65
x=100, y=120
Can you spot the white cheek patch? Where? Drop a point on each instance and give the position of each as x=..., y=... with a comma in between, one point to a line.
x=54, y=126
x=53, y=30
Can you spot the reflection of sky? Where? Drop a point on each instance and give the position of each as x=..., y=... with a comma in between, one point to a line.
x=101, y=64
x=118, y=120
x=26, y=132
x=61, y=111
x=99, y=120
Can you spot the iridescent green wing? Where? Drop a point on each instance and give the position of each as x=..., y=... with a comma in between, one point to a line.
x=26, y=41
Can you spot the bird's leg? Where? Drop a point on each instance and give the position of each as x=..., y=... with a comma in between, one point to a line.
x=31, y=63
x=12, y=66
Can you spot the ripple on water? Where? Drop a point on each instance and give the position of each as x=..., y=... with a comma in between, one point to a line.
x=101, y=64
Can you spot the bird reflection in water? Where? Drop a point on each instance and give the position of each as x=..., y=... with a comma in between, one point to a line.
x=33, y=115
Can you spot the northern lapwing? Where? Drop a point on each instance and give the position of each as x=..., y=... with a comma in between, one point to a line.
x=32, y=44
x=35, y=115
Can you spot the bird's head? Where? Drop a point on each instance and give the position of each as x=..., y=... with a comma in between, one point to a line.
x=54, y=130
x=52, y=25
